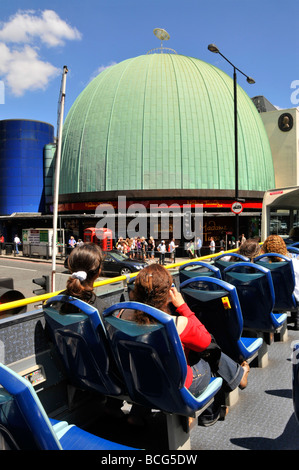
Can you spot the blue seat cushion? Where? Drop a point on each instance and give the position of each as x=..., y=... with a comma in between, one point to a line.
x=73, y=438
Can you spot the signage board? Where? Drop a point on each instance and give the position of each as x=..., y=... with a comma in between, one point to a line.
x=237, y=207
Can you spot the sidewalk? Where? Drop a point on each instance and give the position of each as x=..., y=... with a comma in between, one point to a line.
x=27, y=258
x=60, y=261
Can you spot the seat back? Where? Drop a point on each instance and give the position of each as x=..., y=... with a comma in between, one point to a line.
x=216, y=305
x=283, y=278
x=222, y=263
x=198, y=268
x=81, y=342
x=151, y=359
x=22, y=417
x=256, y=294
x=295, y=379
x=294, y=251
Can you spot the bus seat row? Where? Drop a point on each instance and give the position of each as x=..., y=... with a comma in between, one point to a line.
x=295, y=379
x=152, y=361
x=255, y=290
x=24, y=423
x=283, y=277
x=216, y=304
x=143, y=365
x=265, y=289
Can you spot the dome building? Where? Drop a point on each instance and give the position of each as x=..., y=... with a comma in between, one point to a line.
x=162, y=121
x=159, y=128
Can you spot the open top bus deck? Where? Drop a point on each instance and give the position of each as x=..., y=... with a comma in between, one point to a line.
x=261, y=417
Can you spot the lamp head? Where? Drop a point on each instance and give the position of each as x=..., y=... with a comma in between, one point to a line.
x=250, y=80
x=213, y=48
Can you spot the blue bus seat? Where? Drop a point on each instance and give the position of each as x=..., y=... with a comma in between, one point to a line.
x=283, y=278
x=295, y=244
x=153, y=362
x=216, y=304
x=197, y=268
x=295, y=379
x=81, y=342
x=26, y=426
x=130, y=284
x=221, y=263
x=256, y=296
x=294, y=251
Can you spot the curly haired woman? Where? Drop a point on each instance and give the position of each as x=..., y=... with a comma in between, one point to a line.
x=276, y=244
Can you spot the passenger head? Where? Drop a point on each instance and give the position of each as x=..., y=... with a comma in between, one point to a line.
x=275, y=244
x=250, y=248
x=85, y=263
x=294, y=234
x=152, y=287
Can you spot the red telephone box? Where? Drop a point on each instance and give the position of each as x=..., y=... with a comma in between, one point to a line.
x=101, y=236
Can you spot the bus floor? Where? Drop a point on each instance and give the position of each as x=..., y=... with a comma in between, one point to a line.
x=263, y=417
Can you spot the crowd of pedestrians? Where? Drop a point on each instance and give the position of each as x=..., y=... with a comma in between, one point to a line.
x=147, y=249
x=142, y=248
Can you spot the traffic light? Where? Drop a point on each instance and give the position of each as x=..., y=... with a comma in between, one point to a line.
x=7, y=282
x=9, y=294
x=44, y=283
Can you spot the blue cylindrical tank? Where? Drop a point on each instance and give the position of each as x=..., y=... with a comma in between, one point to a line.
x=22, y=144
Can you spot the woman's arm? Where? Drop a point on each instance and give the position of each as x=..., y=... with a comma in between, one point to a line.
x=193, y=333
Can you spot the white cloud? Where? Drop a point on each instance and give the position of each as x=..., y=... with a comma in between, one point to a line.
x=21, y=66
x=49, y=28
x=23, y=70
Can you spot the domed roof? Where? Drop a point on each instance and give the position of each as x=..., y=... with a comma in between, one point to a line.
x=163, y=121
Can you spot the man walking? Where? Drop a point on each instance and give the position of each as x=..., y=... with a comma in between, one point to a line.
x=162, y=251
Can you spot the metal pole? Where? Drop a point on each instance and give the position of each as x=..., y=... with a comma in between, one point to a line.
x=57, y=175
x=236, y=153
x=213, y=48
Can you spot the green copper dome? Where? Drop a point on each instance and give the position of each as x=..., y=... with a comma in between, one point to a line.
x=162, y=121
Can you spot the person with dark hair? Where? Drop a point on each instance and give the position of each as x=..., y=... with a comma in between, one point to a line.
x=85, y=263
x=154, y=286
x=249, y=248
x=294, y=234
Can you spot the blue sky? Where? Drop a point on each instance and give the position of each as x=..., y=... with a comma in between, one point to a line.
x=38, y=37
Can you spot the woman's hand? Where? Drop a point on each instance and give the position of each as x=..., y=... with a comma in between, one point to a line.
x=176, y=297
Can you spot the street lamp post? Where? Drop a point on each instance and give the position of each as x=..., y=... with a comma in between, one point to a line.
x=214, y=48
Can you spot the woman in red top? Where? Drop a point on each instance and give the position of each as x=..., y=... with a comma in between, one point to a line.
x=154, y=286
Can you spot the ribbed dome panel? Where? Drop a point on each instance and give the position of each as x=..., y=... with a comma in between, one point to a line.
x=163, y=121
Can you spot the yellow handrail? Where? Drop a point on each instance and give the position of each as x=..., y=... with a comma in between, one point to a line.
x=43, y=297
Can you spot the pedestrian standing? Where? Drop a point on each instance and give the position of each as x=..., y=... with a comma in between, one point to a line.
x=212, y=246
x=198, y=247
x=17, y=242
x=172, y=247
x=162, y=251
